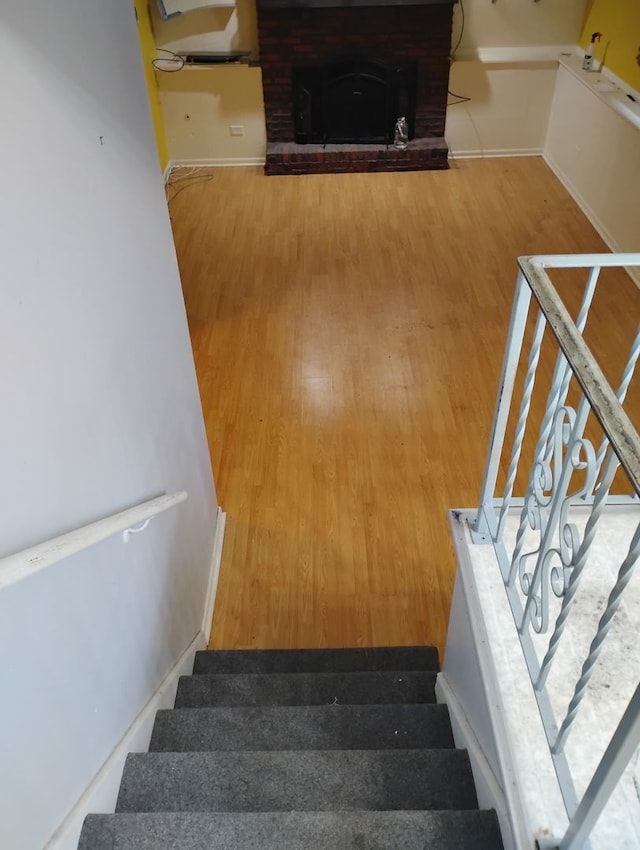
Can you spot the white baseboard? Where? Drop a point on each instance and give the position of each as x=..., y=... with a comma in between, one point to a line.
x=588, y=210
x=215, y=162
x=102, y=793
x=491, y=153
x=214, y=574
x=100, y=796
x=488, y=788
x=260, y=160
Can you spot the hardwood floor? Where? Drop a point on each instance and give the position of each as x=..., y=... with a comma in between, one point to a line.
x=348, y=334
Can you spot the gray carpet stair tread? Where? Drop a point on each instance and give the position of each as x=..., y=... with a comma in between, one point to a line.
x=402, y=830
x=301, y=780
x=325, y=727
x=317, y=660
x=365, y=688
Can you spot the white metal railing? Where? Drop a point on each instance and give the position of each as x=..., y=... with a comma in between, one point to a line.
x=543, y=555
x=21, y=565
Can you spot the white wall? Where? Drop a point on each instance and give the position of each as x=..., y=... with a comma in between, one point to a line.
x=462, y=686
x=100, y=407
x=503, y=64
x=508, y=110
x=595, y=151
x=214, y=30
x=199, y=106
x=521, y=23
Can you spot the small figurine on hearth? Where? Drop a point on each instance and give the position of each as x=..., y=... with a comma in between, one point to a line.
x=401, y=134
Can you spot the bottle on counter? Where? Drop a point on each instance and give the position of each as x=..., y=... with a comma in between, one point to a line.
x=401, y=134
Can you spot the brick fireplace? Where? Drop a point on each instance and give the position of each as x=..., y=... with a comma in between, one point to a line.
x=362, y=61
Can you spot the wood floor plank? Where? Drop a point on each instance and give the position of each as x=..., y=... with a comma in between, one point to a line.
x=348, y=333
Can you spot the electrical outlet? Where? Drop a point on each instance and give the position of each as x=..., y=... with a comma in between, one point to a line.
x=236, y=129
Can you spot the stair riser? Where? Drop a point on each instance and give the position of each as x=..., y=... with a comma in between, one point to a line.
x=421, y=658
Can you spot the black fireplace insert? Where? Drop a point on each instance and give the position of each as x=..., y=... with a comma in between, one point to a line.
x=353, y=99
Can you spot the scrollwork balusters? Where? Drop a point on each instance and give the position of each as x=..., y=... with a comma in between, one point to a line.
x=578, y=566
x=571, y=451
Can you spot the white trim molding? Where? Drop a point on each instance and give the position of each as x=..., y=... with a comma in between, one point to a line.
x=215, y=163
x=490, y=697
x=214, y=574
x=488, y=787
x=495, y=790
x=478, y=153
x=588, y=210
x=101, y=795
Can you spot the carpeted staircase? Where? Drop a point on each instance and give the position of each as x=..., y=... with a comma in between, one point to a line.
x=300, y=750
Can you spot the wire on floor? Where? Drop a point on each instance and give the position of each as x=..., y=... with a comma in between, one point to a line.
x=188, y=180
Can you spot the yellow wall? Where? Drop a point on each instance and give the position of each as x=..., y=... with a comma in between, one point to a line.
x=148, y=47
x=619, y=22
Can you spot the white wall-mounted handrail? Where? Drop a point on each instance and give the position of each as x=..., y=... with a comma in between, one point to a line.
x=23, y=564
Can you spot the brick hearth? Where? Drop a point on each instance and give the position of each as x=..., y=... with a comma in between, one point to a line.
x=289, y=158
x=306, y=36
